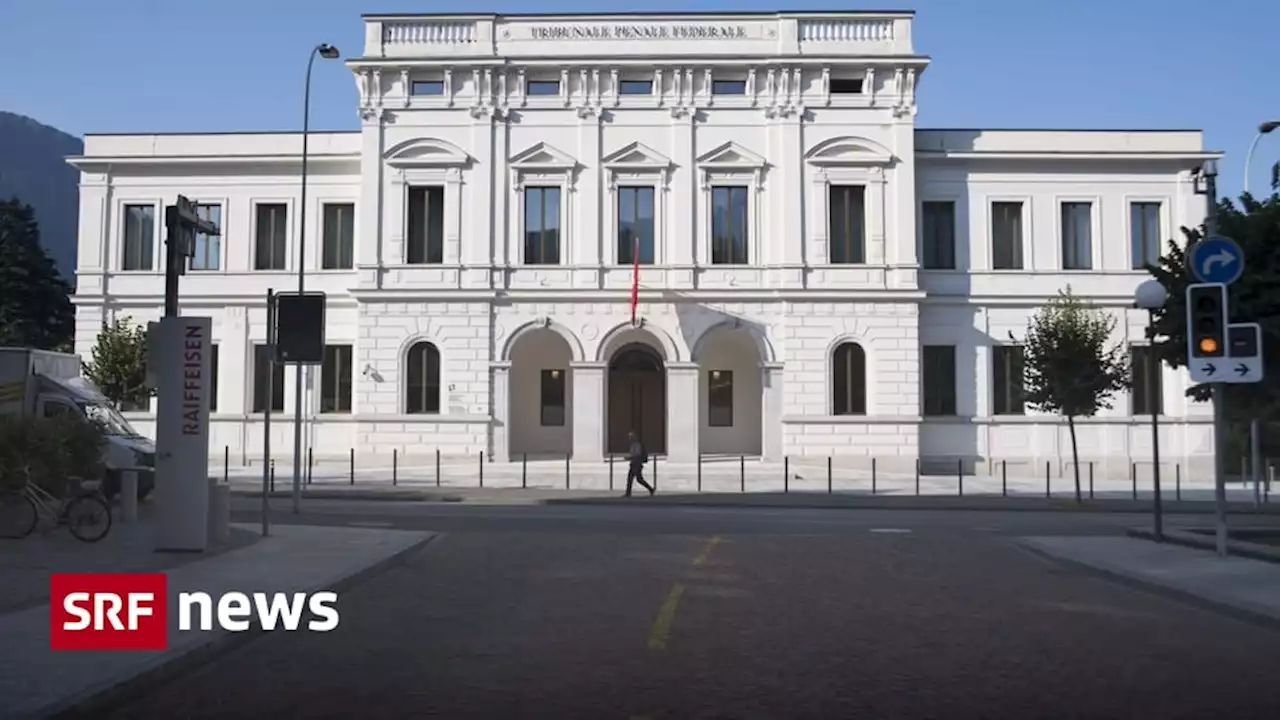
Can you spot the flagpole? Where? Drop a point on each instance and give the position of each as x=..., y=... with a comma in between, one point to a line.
x=635, y=275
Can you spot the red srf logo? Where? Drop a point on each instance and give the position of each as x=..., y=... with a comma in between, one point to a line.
x=108, y=611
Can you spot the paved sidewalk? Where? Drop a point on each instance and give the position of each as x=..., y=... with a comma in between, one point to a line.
x=38, y=682
x=1246, y=588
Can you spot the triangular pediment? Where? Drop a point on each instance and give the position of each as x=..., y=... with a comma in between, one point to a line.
x=731, y=154
x=850, y=151
x=426, y=152
x=636, y=155
x=543, y=155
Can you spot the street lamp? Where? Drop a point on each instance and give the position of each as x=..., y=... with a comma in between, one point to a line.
x=1263, y=129
x=1151, y=296
x=327, y=52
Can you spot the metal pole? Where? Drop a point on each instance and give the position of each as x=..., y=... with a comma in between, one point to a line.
x=1255, y=459
x=266, y=413
x=873, y=476
x=1153, y=404
x=171, y=260
x=302, y=256
x=1248, y=160
x=1219, y=396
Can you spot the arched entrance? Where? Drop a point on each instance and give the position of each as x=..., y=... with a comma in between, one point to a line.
x=637, y=399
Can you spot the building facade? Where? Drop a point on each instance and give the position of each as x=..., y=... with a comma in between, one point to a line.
x=816, y=275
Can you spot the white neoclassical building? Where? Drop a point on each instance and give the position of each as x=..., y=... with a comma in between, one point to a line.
x=817, y=275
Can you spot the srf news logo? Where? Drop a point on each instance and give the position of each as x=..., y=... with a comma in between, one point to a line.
x=129, y=611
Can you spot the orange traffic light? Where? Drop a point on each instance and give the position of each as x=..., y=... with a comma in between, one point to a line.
x=1208, y=345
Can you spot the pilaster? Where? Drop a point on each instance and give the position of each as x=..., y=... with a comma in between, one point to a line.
x=500, y=445
x=368, y=240
x=588, y=410
x=683, y=225
x=588, y=251
x=683, y=418
x=771, y=380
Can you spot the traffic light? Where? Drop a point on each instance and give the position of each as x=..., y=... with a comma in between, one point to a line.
x=1207, y=320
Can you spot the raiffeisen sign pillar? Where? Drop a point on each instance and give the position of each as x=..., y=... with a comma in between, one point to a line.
x=179, y=358
x=182, y=433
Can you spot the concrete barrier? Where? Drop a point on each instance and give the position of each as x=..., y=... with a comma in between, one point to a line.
x=219, y=511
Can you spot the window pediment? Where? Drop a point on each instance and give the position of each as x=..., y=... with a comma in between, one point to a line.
x=543, y=157
x=426, y=152
x=731, y=156
x=846, y=151
x=636, y=156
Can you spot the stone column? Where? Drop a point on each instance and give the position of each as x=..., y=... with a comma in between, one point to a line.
x=771, y=442
x=683, y=417
x=500, y=447
x=588, y=410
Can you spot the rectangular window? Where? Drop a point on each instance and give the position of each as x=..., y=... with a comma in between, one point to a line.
x=938, y=235
x=728, y=87
x=335, y=379
x=729, y=225
x=1144, y=229
x=213, y=378
x=847, y=224
x=338, y=252
x=635, y=87
x=1146, y=395
x=542, y=226
x=938, y=374
x=720, y=398
x=635, y=225
x=846, y=86
x=542, y=87
x=268, y=381
x=1006, y=235
x=427, y=87
x=1077, y=236
x=1006, y=380
x=425, y=226
x=271, y=242
x=139, y=237
x=208, y=251
x=553, y=404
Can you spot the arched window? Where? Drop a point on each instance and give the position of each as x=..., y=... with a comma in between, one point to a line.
x=422, y=380
x=849, y=380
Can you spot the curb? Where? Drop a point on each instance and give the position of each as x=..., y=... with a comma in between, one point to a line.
x=96, y=703
x=1239, y=548
x=395, y=495
x=1186, y=597
x=917, y=504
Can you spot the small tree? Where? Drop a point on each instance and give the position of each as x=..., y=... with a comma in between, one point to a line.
x=1070, y=367
x=119, y=364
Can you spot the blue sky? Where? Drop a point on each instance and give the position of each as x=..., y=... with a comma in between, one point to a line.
x=123, y=65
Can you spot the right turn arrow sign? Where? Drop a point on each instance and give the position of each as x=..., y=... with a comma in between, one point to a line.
x=1210, y=369
x=1242, y=369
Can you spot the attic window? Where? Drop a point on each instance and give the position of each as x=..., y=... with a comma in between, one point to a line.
x=542, y=87
x=427, y=87
x=729, y=87
x=846, y=86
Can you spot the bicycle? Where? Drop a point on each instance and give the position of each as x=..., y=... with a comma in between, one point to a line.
x=84, y=511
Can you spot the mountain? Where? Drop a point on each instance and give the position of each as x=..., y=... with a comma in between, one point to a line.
x=33, y=167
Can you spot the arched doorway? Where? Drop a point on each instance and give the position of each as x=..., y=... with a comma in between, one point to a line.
x=637, y=399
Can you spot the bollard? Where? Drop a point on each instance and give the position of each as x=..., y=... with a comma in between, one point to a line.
x=566, y=470
x=1090, y=479
x=1177, y=482
x=129, y=496
x=310, y=464
x=610, y=472
x=524, y=471
x=655, y=473
x=226, y=462
x=917, y=477
x=352, y=466
x=437, y=467
x=786, y=473
x=1133, y=475
x=873, y=476
x=273, y=474
x=699, y=472
x=1271, y=478
x=1004, y=478
x=960, y=476
x=395, y=466
x=1047, y=492
x=742, y=472
x=480, y=458
x=219, y=511
x=828, y=474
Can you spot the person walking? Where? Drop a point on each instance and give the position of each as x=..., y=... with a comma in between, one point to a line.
x=636, y=459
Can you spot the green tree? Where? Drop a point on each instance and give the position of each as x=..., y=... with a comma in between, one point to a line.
x=35, y=302
x=1070, y=366
x=119, y=364
x=1255, y=226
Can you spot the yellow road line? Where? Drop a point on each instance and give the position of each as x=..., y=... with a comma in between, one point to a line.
x=662, y=624
x=706, y=550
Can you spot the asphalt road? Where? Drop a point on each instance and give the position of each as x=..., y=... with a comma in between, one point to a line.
x=677, y=613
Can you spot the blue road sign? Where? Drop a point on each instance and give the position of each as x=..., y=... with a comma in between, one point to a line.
x=1217, y=259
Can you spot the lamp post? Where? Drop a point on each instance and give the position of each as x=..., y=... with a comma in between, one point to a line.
x=1263, y=129
x=327, y=52
x=1151, y=296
